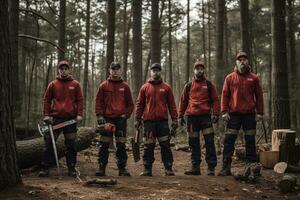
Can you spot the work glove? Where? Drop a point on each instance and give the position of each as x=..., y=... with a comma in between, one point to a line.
x=138, y=123
x=174, y=127
x=79, y=119
x=259, y=117
x=48, y=120
x=226, y=117
x=101, y=120
x=214, y=119
x=181, y=121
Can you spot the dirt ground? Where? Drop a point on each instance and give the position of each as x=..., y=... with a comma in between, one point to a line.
x=136, y=187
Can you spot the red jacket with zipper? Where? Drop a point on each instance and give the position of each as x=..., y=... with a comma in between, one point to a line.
x=198, y=101
x=114, y=99
x=63, y=98
x=155, y=100
x=242, y=94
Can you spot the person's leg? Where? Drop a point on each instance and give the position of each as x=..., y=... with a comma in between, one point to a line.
x=194, y=143
x=105, y=140
x=163, y=136
x=233, y=128
x=208, y=134
x=121, y=154
x=249, y=127
x=48, y=153
x=149, y=145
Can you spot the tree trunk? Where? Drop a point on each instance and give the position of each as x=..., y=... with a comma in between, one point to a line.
x=220, y=10
x=170, y=44
x=146, y=68
x=22, y=69
x=292, y=62
x=86, y=60
x=111, y=12
x=14, y=29
x=203, y=33
x=125, y=41
x=62, y=29
x=225, y=40
x=137, y=57
x=30, y=151
x=280, y=90
x=9, y=172
x=188, y=45
x=209, y=40
x=245, y=32
x=155, y=32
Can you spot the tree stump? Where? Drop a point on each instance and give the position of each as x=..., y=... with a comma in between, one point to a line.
x=283, y=140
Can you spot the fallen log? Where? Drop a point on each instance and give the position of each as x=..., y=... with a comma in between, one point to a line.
x=30, y=151
x=101, y=182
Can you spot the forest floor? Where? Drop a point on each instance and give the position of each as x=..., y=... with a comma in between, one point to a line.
x=137, y=187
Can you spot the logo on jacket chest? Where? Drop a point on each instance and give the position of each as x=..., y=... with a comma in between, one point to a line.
x=162, y=90
x=122, y=89
x=71, y=88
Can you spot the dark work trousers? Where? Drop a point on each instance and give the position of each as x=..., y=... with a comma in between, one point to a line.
x=196, y=124
x=248, y=123
x=70, y=142
x=158, y=129
x=120, y=136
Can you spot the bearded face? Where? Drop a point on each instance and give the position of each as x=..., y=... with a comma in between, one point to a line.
x=155, y=74
x=242, y=65
x=199, y=71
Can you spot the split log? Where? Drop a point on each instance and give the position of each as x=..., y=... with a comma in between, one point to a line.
x=287, y=183
x=30, y=151
x=185, y=148
x=283, y=167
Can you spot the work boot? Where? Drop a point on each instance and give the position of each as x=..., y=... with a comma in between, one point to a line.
x=210, y=171
x=169, y=171
x=195, y=170
x=225, y=171
x=72, y=172
x=101, y=171
x=124, y=172
x=147, y=171
x=44, y=172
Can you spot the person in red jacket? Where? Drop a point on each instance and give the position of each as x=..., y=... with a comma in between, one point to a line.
x=154, y=101
x=114, y=105
x=62, y=101
x=200, y=103
x=242, y=105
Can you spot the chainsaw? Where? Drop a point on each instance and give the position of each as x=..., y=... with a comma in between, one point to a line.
x=48, y=128
x=44, y=128
x=135, y=142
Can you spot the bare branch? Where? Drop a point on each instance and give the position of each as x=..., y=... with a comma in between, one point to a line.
x=41, y=40
x=53, y=11
x=40, y=16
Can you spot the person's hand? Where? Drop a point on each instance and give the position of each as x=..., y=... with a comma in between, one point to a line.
x=214, y=119
x=100, y=120
x=79, y=119
x=48, y=120
x=226, y=117
x=174, y=127
x=181, y=121
x=259, y=117
x=138, y=123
